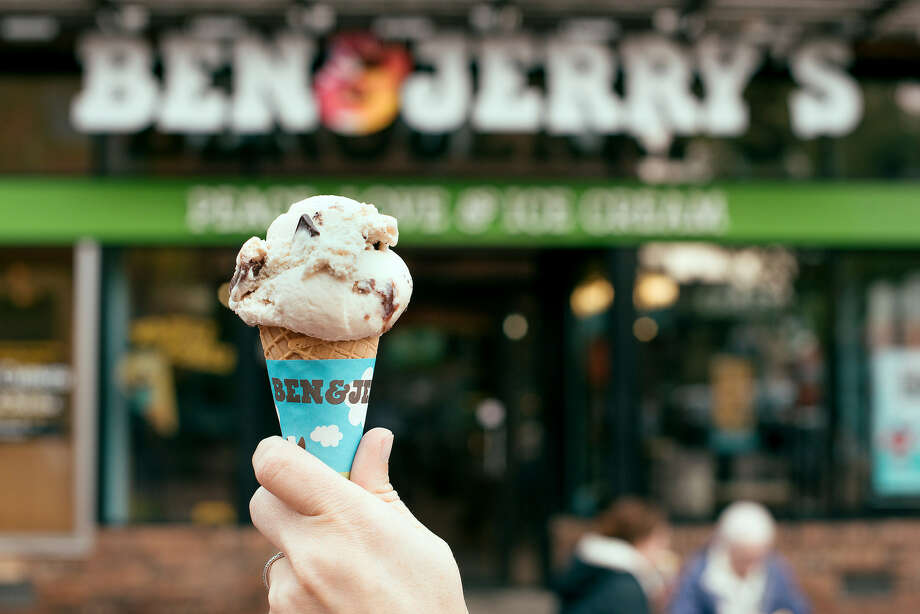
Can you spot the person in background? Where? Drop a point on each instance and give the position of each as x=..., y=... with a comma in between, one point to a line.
x=738, y=573
x=624, y=566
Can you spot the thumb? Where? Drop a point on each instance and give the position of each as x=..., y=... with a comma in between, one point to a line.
x=371, y=467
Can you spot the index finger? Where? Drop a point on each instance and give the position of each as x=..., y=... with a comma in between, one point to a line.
x=302, y=481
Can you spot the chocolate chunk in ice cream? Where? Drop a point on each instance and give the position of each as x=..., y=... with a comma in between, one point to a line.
x=389, y=305
x=387, y=297
x=249, y=264
x=306, y=223
x=242, y=272
x=365, y=286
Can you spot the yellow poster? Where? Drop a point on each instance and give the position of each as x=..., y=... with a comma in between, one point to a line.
x=733, y=389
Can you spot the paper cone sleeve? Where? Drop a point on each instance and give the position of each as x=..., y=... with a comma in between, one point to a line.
x=282, y=344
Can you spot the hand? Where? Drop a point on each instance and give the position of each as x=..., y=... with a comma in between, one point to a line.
x=351, y=546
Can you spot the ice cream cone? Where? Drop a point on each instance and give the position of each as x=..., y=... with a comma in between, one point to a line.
x=321, y=389
x=325, y=270
x=282, y=344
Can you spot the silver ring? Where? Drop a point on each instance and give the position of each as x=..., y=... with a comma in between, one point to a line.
x=268, y=566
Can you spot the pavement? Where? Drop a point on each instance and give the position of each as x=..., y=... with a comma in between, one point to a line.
x=511, y=601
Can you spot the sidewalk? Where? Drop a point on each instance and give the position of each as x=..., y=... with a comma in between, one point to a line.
x=511, y=601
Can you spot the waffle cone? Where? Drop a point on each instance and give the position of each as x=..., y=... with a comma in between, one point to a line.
x=282, y=344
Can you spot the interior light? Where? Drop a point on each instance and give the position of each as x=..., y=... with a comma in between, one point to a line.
x=490, y=413
x=29, y=28
x=645, y=329
x=655, y=291
x=515, y=326
x=591, y=297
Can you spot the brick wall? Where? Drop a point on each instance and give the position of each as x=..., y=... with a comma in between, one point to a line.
x=846, y=567
x=175, y=570
x=182, y=570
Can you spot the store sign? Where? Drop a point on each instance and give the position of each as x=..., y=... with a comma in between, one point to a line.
x=34, y=400
x=468, y=213
x=365, y=84
x=480, y=210
x=896, y=422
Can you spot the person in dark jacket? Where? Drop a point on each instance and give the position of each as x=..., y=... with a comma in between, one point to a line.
x=738, y=573
x=618, y=569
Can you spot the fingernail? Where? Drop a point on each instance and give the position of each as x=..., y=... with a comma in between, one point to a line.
x=385, y=448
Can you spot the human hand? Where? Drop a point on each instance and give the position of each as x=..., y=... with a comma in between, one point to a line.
x=350, y=546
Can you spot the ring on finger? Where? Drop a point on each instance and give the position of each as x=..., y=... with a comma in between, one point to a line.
x=268, y=566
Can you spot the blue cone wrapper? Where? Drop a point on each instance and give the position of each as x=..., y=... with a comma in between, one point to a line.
x=322, y=405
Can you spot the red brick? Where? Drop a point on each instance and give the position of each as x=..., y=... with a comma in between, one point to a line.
x=182, y=569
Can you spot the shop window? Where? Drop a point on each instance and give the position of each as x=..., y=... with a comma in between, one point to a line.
x=732, y=352
x=187, y=399
x=879, y=381
x=179, y=396
x=36, y=384
x=726, y=393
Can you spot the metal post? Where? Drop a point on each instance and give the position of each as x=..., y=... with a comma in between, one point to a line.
x=87, y=282
x=116, y=425
x=622, y=400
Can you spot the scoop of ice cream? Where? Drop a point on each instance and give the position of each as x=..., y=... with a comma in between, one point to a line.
x=325, y=269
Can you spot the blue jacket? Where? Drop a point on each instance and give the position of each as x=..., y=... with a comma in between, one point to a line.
x=586, y=589
x=781, y=592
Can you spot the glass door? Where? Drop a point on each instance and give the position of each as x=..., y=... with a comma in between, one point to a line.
x=457, y=383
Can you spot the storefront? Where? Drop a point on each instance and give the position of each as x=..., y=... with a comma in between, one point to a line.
x=697, y=314
x=752, y=357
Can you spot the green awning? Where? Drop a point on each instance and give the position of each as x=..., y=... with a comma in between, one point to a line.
x=467, y=213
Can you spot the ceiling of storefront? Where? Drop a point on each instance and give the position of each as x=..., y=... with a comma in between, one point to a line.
x=886, y=16
x=887, y=32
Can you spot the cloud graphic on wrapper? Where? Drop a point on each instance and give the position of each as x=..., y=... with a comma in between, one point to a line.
x=327, y=436
x=357, y=412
